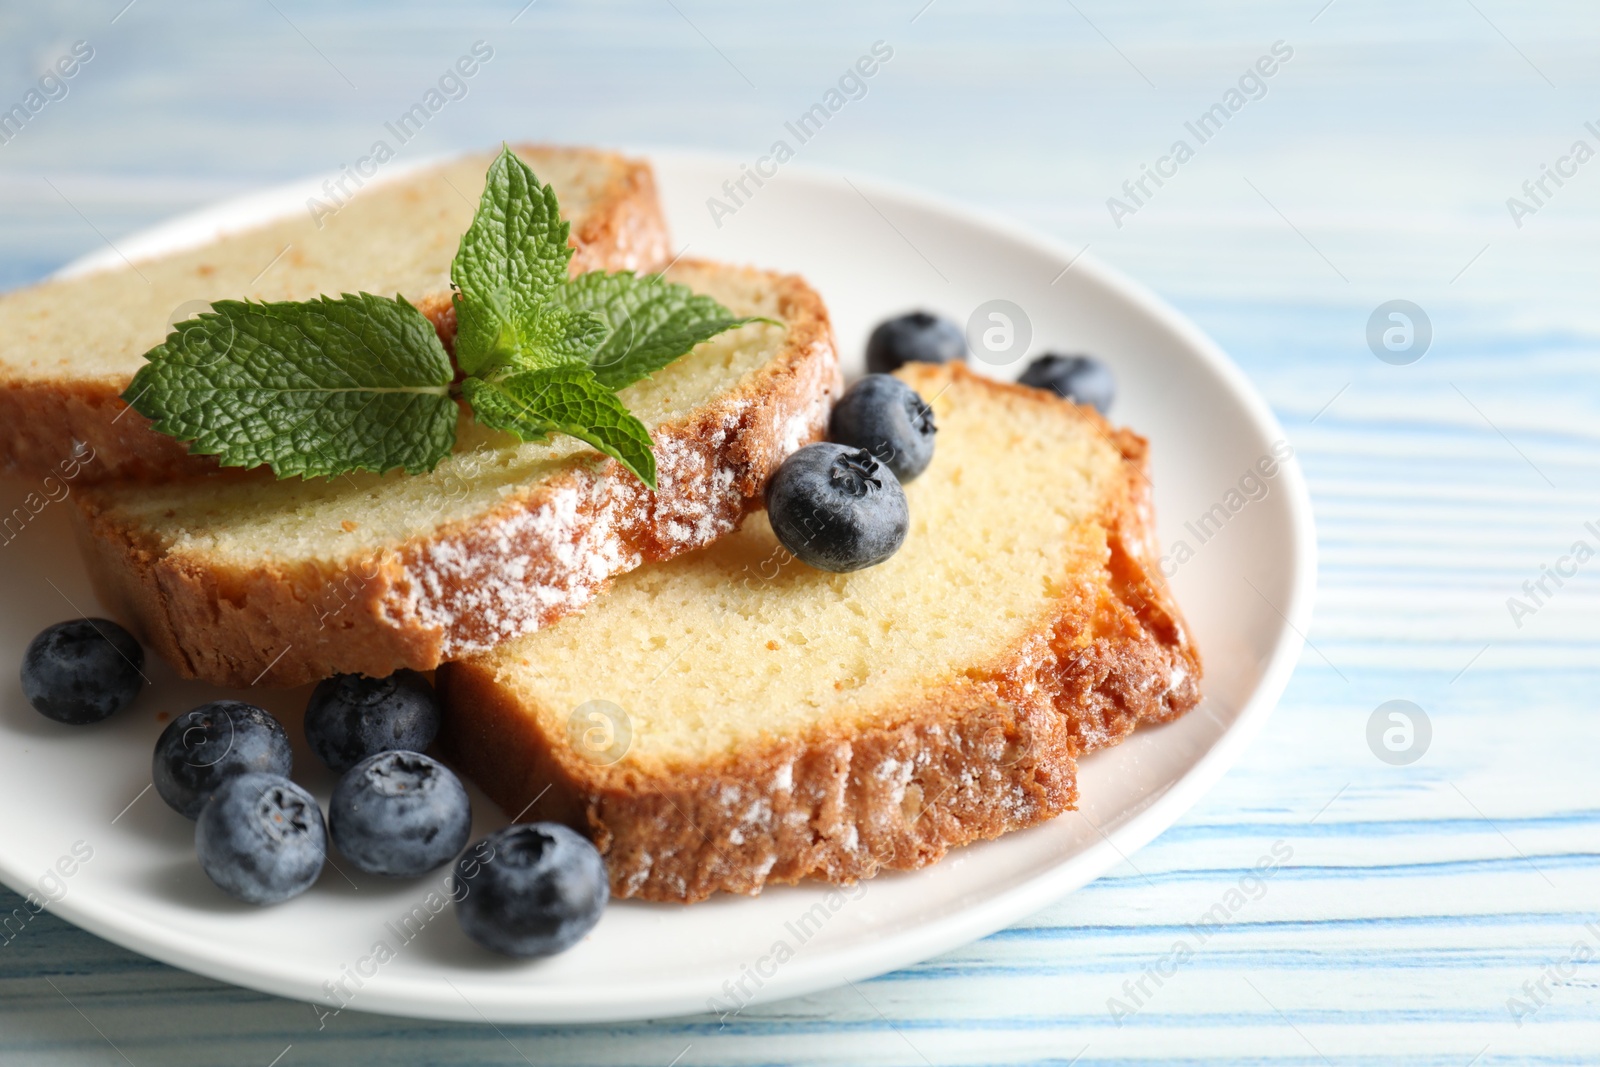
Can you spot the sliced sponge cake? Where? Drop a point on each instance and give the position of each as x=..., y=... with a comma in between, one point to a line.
x=68, y=348
x=735, y=718
x=240, y=579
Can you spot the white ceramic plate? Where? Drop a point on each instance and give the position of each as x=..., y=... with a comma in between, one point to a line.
x=872, y=250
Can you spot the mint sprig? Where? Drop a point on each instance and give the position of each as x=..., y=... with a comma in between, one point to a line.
x=362, y=383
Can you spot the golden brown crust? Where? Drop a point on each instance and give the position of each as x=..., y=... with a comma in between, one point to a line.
x=44, y=420
x=626, y=230
x=448, y=594
x=839, y=804
x=991, y=751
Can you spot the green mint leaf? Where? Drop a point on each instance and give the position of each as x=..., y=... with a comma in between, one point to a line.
x=323, y=387
x=545, y=336
x=511, y=260
x=566, y=399
x=651, y=322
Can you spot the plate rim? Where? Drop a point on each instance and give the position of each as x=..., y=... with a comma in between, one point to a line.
x=1133, y=828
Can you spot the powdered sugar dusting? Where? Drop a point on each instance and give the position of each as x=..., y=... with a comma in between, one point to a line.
x=551, y=549
x=794, y=432
x=504, y=578
x=805, y=424
x=783, y=781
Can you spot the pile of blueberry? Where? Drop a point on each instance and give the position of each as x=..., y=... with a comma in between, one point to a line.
x=528, y=890
x=839, y=505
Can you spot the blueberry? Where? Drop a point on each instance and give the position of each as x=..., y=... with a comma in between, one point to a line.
x=1081, y=379
x=203, y=748
x=399, y=814
x=351, y=717
x=531, y=890
x=837, y=508
x=886, y=417
x=260, y=838
x=82, y=671
x=915, y=338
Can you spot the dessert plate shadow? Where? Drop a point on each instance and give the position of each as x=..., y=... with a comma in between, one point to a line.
x=363, y=944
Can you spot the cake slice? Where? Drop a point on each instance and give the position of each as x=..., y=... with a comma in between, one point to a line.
x=735, y=718
x=69, y=347
x=241, y=579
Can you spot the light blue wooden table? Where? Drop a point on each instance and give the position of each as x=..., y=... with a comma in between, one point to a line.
x=1436, y=912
